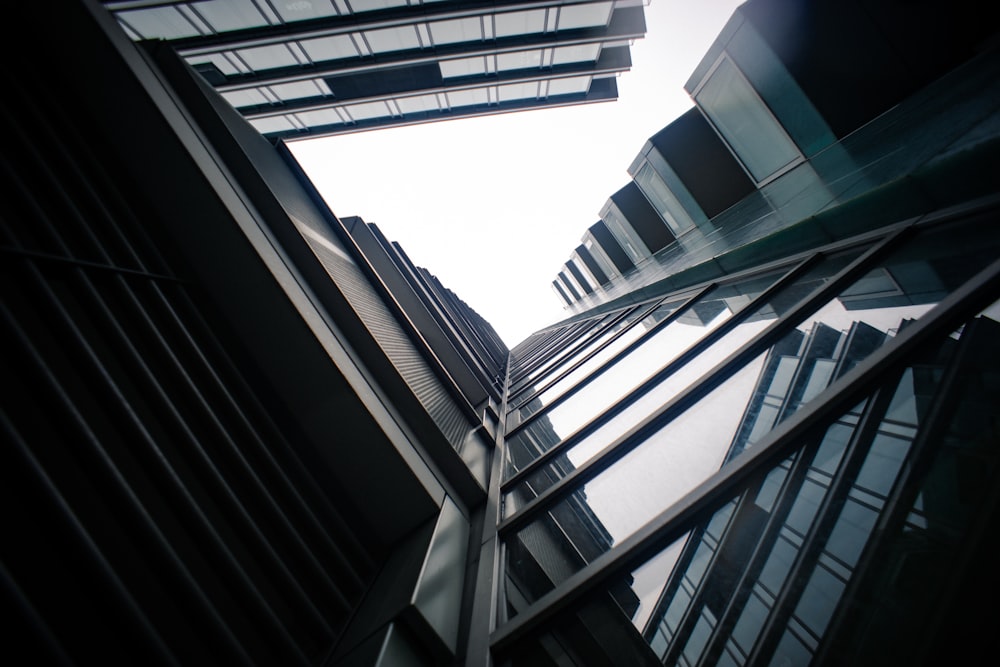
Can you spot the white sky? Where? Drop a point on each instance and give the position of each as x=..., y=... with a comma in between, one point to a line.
x=494, y=206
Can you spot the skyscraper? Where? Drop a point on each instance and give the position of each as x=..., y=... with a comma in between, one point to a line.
x=315, y=67
x=239, y=429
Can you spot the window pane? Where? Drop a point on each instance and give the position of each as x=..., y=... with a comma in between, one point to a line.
x=299, y=10
x=519, y=60
x=518, y=91
x=299, y=90
x=461, y=98
x=329, y=48
x=392, y=39
x=456, y=31
x=217, y=59
x=272, y=124
x=268, y=57
x=360, y=6
x=745, y=122
x=367, y=110
x=463, y=67
x=418, y=103
x=569, y=86
x=165, y=22
x=584, y=16
x=663, y=200
x=584, y=53
x=244, y=98
x=319, y=117
x=520, y=23
x=226, y=15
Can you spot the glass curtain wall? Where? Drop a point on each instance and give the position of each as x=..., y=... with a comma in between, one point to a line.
x=602, y=471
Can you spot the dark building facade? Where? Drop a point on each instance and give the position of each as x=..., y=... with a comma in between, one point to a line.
x=241, y=430
x=307, y=68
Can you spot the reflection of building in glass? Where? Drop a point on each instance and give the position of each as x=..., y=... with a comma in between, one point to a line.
x=315, y=67
x=238, y=429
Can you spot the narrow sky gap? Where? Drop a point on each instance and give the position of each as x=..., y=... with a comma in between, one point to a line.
x=493, y=206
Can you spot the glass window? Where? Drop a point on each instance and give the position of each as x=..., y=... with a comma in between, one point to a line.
x=367, y=110
x=745, y=123
x=462, y=98
x=225, y=15
x=625, y=235
x=519, y=60
x=320, y=117
x=388, y=40
x=569, y=86
x=247, y=97
x=663, y=200
x=518, y=91
x=299, y=10
x=300, y=89
x=584, y=15
x=583, y=53
x=272, y=124
x=463, y=67
x=162, y=22
x=268, y=57
x=360, y=6
x=329, y=48
x=418, y=103
x=519, y=23
x=455, y=31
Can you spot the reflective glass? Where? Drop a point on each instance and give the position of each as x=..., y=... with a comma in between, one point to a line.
x=319, y=117
x=463, y=67
x=300, y=89
x=225, y=15
x=519, y=60
x=299, y=10
x=272, y=124
x=418, y=103
x=519, y=23
x=584, y=15
x=360, y=6
x=455, y=31
x=573, y=85
x=220, y=61
x=763, y=548
x=247, y=97
x=562, y=55
x=388, y=40
x=334, y=47
x=603, y=355
x=367, y=110
x=620, y=379
x=162, y=22
x=462, y=98
x=663, y=200
x=627, y=238
x=745, y=122
x=268, y=57
x=518, y=91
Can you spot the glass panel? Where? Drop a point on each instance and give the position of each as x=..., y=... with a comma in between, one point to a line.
x=418, y=103
x=462, y=98
x=463, y=67
x=519, y=60
x=519, y=23
x=573, y=85
x=584, y=15
x=367, y=110
x=329, y=48
x=563, y=55
x=272, y=124
x=954, y=385
x=634, y=333
x=617, y=381
x=300, y=89
x=518, y=91
x=663, y=200
x=299, y=10
x=360, y=6
x=546, y=365
x=319, y=117
x=163, y=22
x=388, y=40
x=244, y=98
x=745, y=122
x=268, y=57
x=630, y=242
x=226, y=15
x=456, y=30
